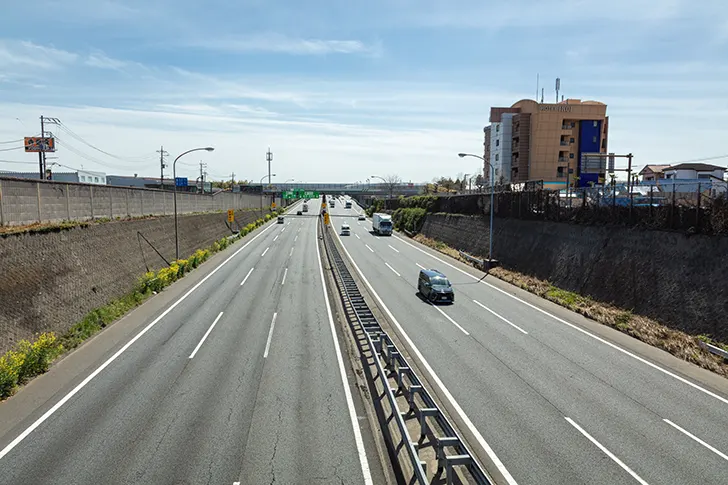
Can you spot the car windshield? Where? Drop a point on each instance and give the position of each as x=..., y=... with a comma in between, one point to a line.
x=439, y=281
x=385, y=223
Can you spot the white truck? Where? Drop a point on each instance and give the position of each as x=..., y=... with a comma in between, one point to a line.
x=382, y=224
x=348, y=204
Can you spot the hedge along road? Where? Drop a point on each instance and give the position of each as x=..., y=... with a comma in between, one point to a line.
x=234, y=380
x=555, y=401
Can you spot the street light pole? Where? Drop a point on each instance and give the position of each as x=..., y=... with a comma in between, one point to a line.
x=174, y=175
x=261, y=191
x=492, y=191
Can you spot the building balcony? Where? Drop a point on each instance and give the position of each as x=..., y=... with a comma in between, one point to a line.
x=564, y=143
x=563, y=160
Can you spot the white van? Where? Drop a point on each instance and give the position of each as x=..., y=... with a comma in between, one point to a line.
x=345, y=229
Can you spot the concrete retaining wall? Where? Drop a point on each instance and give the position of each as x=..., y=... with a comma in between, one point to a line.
x=50, y=281
x=30, y=201
x=679, y=280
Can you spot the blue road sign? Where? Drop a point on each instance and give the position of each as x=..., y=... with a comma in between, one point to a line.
x=180, y=181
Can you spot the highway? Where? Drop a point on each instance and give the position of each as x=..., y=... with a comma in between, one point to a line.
x=549, y=400
x=239, y=378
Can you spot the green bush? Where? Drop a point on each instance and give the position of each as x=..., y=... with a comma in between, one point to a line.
x=426, y=202
x=410, y=219
x=26, y=361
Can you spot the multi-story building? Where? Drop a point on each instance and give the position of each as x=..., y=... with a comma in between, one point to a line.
x=542, y=141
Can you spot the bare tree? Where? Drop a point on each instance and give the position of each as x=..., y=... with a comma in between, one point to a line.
x=479, y=182
x=392, y=182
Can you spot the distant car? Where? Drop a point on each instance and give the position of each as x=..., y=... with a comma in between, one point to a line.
x=299, y=213
x=435, y=287
x=280, y=220
x=362, y=217
x=345, y=229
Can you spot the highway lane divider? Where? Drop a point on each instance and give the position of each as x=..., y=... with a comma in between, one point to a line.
x=404, y=406
x=53, y=409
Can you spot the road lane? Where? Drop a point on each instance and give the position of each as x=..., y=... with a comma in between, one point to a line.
x=534, y=381
x=156, y=415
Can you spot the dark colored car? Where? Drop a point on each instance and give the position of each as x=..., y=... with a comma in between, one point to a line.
x=299, y=213
x=280, y=220
x=435, y=286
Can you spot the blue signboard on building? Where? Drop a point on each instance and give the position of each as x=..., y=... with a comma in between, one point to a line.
x=180, y=181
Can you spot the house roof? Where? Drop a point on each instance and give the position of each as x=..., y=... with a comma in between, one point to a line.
x=698, y=167
x=654, y=168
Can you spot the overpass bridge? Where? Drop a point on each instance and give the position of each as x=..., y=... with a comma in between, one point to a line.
x=380, y=189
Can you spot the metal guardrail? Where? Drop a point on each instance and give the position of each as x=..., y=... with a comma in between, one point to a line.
x=713, y=349
x=472, y=259
x=450, y=450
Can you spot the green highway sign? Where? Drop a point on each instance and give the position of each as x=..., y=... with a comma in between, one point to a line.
x=300, y=194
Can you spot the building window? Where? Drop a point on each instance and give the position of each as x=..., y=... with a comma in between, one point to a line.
x=83, y=178
x=497, y=143
x=594, y=139
x=496, y=157
x=573, y=124
x=497, y=128
x=571, y=155
x=571, y=140
x=96, y=179
x=703, y=175
x=595, y=124
x=560, y=172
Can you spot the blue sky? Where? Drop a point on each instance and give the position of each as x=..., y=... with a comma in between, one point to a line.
x=342, y=90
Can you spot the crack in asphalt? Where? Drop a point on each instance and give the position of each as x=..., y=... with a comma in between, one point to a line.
x=275, y=445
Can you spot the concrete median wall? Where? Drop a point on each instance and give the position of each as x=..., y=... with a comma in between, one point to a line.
x=675, y=279
x=51, y=280
x=30, y=201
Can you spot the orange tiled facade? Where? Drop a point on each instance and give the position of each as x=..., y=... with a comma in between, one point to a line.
x=542, y=141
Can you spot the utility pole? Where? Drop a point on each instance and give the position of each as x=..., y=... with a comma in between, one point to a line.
x=162, y=166
x=41, y=154
x=269, y=159
x=203, y=166
x=232, y=181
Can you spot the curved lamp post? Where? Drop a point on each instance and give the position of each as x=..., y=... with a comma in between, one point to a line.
x=492, y=181
x=261, y=191
x=174, y=175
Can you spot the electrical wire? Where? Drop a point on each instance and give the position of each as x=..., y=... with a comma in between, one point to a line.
x=90, y=158
x=11, y=141
x=71, y=133
x=706, y=159
x=10, y=149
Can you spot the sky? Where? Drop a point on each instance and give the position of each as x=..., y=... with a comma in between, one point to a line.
x=341, y=91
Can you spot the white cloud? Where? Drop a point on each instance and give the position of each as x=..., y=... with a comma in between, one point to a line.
x=102, y=61
x=279, y=43
x=24, y=54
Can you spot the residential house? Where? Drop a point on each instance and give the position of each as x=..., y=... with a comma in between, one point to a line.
x=652, y=173
x=692, y=171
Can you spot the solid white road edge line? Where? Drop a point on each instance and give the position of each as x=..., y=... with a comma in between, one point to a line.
x=204, y=337
x=714, y=450
x=266, y=250
x=342, y=371
x=393, y=270
x=502, y=318
x=111, y=359
x=370, y=249
x=448, y=317
x=393, y=248
x=606, y=451
x=479, y=437
x=270, y=335
x=246, y=276
x=579, y=329
x=285, y=273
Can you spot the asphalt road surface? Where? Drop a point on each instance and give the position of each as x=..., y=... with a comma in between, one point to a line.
x=552, y=401
x=237, y=379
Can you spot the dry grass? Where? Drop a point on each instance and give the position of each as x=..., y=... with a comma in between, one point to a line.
x=645, y=329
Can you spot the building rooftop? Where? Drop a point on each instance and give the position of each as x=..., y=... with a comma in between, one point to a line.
x=698, y=167
x=654, y=168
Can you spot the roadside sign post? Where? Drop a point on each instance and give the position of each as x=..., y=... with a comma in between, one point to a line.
x=231, y=216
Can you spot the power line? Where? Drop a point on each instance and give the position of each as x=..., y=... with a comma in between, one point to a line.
x=138, y=159
x=706, y=159
x=11, y=141
x=9, y=149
